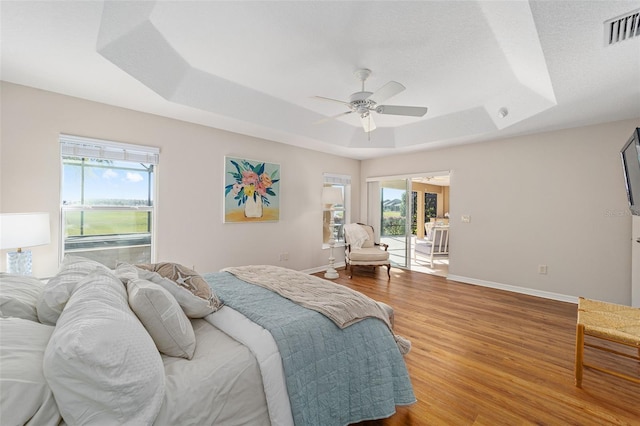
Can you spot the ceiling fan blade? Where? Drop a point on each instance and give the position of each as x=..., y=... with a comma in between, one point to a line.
x=322, y=98
x=324, y=120
x=401, y=110
x=390, y=89
x=367, y=123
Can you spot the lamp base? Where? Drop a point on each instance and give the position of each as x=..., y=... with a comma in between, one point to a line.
x=331, y=274
x=19, y=262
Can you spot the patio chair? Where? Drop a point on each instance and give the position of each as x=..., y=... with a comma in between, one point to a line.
x=362, y=250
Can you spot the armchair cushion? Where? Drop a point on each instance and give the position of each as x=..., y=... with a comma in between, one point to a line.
x=369, y=254
x=369, y=242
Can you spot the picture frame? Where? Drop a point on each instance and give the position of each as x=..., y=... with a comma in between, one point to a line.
x=251, y=191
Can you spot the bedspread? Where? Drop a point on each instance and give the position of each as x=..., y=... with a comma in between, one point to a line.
x=340, y=304
x=333, y=376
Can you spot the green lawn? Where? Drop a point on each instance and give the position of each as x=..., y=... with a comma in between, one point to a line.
x=107, y=222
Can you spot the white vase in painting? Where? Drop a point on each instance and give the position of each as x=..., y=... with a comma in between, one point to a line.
x=253, y=208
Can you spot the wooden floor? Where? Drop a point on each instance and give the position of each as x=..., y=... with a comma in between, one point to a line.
x=489, y=357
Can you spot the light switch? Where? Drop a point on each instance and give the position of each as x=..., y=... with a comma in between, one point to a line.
x=466, y=218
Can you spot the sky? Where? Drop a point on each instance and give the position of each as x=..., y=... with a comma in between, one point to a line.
x=109, y=182
x=392, y=194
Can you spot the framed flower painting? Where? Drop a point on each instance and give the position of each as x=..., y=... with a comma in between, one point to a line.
x=251, y=191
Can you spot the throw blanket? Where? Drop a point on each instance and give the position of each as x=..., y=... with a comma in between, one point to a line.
x=333, y=376
x=357, y=235
x=340, y=304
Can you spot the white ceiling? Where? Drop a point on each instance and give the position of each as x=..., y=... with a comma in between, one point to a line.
x=253, y=67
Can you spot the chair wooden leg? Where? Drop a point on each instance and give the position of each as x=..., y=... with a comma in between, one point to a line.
x=579, y=367
x=388, y=270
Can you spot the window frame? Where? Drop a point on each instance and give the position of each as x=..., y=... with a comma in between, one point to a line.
x=344, y=182
x=82, y=147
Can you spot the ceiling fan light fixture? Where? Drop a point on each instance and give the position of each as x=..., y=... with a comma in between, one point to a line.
x=503, y=112
x=363, y=102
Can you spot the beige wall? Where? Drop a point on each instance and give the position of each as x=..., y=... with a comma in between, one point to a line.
x=553, y=198
x=189, y=218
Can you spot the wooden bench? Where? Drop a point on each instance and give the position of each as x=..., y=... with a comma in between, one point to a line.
x=607, y=322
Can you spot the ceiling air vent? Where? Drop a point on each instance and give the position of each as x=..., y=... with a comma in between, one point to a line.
x=622, y=27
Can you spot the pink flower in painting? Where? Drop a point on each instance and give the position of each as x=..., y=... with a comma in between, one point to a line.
x=261, y=189
x=249, y=177
x=252, y=181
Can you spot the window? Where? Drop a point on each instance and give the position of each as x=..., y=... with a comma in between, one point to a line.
x=340, y=211
x=430, y=209
x=107, y=200
x=430, y=206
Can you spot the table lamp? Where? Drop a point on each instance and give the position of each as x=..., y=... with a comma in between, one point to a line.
x=331, y=195
x=19, y=230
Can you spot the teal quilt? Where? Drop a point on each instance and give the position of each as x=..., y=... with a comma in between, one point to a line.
x=333, y=376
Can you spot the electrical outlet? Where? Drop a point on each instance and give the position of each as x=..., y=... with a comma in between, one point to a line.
x=284, y=256
x=542, y=269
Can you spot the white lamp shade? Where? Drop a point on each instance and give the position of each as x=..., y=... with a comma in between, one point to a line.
x=331, y=195
x=18, y=230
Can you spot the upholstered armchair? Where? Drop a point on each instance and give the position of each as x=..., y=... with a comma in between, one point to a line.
x=362, y=250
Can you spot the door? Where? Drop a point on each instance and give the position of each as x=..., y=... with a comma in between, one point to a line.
x=390, y=214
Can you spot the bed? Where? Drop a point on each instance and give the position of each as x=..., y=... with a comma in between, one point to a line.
x=234, y=351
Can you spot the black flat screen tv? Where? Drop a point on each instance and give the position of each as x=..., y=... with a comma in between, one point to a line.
x=630, y=154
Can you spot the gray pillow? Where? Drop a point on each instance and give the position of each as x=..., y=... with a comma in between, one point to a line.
x=192, y=292
x=163, y=318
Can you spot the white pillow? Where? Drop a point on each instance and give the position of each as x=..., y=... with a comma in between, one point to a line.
x=19, y=295
x=59, y=288
x=357, y=235
x=26, y=397
x=163, y=318
x=101, y=364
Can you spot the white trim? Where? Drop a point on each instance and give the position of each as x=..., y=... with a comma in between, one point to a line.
x=323, y=268
x=79, y=146
x=409, y=176
x=515, y=289
x=336, y=178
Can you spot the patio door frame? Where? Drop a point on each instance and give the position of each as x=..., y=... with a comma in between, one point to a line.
x=374, y=207
x=399, y=244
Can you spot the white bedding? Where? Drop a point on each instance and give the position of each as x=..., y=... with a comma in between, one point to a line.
x=264, y=347
x=220, y=385
x=25, y=397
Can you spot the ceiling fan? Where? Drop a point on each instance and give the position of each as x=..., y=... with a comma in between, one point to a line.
x=362, y=103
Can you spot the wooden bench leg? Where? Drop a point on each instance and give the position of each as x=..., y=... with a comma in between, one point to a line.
x=579, y=367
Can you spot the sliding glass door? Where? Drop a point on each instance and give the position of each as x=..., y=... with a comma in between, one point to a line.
x=390, y=213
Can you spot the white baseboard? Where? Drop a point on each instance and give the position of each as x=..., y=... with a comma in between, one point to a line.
x=515, y=289
x=323, y=268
